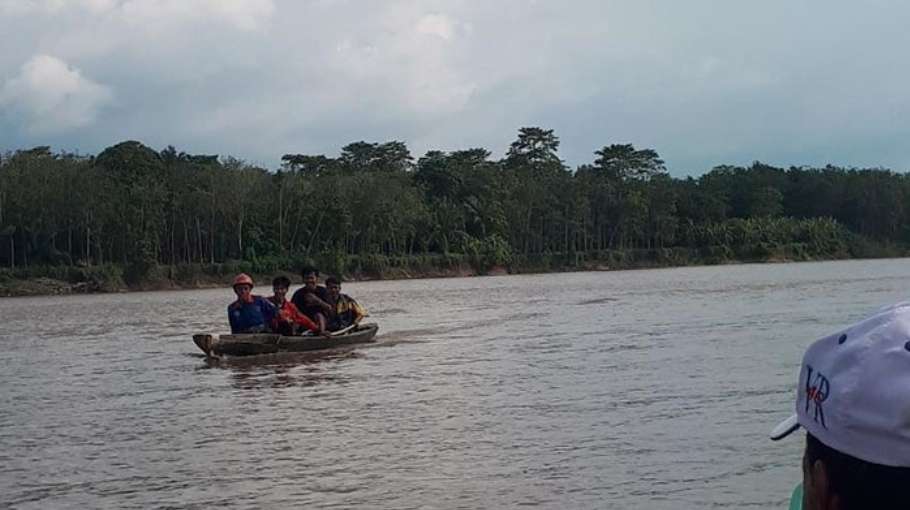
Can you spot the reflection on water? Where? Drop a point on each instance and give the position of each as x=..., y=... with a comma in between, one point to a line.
x=281, y=370
x=390, y=311
x=638, y=389
x=597, y=301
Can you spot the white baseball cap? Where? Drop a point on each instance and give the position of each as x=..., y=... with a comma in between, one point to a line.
x=854, y=390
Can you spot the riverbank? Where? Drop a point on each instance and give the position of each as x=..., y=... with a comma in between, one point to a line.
x=170, y=278
x=60, y=280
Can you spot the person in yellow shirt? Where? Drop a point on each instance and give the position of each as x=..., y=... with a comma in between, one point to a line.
x=345, y=310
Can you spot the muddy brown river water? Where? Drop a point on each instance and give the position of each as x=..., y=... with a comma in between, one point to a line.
x=635, y=389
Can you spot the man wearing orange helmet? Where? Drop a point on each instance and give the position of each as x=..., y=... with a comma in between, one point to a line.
x=249, y=314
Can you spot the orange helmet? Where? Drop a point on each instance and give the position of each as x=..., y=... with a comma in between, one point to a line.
x=243, y=279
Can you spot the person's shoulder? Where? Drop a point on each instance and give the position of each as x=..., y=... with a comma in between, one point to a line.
x=234, y=306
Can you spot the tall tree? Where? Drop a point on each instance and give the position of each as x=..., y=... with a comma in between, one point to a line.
x=623, y=161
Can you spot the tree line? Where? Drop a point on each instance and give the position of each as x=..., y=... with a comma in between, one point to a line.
x=135, y=210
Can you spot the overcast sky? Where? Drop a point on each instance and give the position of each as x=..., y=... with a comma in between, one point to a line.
x=702, y=82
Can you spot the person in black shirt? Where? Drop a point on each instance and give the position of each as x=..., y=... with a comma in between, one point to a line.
x=311, y=299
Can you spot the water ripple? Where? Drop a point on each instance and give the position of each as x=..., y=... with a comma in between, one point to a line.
x=638, y=389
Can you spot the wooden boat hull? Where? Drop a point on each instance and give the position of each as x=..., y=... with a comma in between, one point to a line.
x=266, y=343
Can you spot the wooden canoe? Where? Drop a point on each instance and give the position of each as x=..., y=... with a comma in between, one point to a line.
x=266, y=343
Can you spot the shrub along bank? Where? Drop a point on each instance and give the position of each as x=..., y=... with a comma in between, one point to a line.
x=738, y=240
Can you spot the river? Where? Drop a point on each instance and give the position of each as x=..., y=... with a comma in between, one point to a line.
x=631, y=389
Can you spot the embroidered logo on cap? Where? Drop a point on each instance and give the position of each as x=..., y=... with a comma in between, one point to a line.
x=817, y=390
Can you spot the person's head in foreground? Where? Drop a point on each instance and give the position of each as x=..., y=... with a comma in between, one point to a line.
x=853, y=400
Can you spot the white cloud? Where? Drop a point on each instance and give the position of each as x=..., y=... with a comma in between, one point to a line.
x=244, y=14
x=257, y=78
x=52, y=96
x=436, y=24
x=241, y=14
x=98, y=6
x=53, y=6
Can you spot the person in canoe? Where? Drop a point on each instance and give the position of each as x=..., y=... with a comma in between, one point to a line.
x=249, y=314
x=288, y=320
x=311, y=298
x=345, y=311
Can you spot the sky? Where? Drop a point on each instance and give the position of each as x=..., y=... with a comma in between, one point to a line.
x=703, y=83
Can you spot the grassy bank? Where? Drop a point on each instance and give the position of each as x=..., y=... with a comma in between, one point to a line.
x=49, y=280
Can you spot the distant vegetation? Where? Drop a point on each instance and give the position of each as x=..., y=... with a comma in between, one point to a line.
x=132, y=215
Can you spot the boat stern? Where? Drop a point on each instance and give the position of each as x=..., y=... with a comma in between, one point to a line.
x=204, y=342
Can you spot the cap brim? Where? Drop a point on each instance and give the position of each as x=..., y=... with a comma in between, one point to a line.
x=785, y=428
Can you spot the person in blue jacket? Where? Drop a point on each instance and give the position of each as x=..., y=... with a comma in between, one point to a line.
x=249, y=314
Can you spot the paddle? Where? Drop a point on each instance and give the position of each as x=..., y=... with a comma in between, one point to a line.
x=343, y=330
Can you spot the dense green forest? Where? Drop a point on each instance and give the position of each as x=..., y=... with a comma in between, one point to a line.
x=132, y=214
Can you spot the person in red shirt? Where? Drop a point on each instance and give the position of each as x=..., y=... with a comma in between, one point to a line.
x=288, y=320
